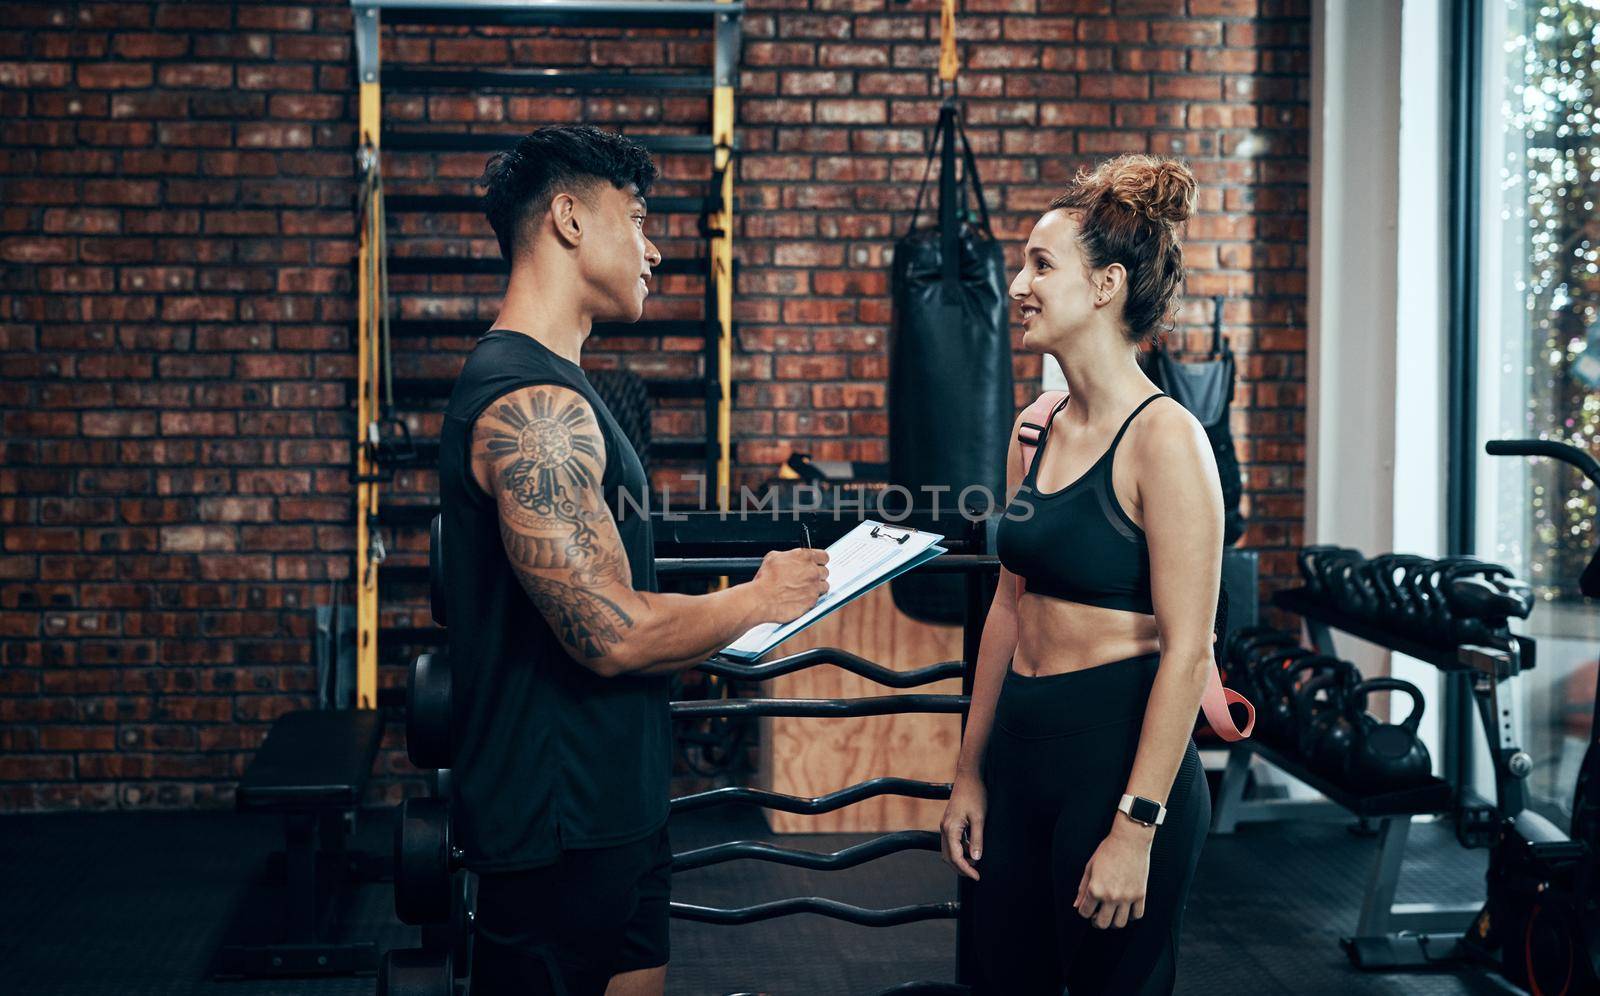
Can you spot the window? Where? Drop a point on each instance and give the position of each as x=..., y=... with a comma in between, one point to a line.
x=1538, y=351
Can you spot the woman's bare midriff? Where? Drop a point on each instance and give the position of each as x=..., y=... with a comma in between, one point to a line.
x=1056, y=636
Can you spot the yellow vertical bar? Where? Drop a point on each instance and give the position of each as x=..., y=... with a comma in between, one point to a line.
x=722, y=268
x=949, y=62
x=367, y=324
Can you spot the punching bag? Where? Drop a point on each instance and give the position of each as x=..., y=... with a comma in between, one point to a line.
x=950, y=394
x=1206, y=389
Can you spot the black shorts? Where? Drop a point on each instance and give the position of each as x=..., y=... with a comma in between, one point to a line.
x=565, y=929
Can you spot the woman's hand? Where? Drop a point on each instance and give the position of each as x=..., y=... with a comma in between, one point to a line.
x=1112, y=889
x=961, y=829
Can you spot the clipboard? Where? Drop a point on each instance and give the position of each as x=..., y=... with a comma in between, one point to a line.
x=869, y=555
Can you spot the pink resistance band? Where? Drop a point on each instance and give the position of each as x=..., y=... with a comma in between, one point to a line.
x=1216, y=699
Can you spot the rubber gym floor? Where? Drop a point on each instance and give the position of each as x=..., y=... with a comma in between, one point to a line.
x=135, y=904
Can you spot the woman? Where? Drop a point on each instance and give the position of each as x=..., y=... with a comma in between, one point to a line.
x=1098, y=643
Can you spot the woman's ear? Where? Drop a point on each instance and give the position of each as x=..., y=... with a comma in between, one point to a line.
x=1108, y=282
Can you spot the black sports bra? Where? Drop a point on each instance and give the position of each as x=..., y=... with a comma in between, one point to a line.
x=1077, y=544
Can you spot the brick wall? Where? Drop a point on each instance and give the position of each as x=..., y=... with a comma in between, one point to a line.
x=176, y=234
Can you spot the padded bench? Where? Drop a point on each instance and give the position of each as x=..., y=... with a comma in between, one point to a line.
x=313, y=769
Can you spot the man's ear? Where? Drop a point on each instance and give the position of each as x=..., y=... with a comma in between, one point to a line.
x=565, y=212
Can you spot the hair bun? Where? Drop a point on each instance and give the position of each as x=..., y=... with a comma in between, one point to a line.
x=1159, y=189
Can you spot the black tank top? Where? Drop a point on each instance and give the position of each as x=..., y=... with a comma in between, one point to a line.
x=1077, y=544
x=549, y=755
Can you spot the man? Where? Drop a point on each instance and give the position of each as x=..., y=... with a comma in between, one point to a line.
x=561, y=650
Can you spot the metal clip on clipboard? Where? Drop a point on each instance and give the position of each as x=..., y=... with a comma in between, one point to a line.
x=878, y=533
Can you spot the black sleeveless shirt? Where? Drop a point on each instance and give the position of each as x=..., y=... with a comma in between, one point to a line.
x=548, y=755
x=1077, y=543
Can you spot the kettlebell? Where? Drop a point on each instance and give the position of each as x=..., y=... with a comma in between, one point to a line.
x=1387, y=757
x=1241, y=640
x=1415, y=585
x=1335, y=738
x=1325, y=730
x=1266, y=669
x=1309, y=569
x=1481, y=598
x=1246, y=649
x=1322, y=566
x=1352, y=590
x=1283, y=707
x=1441, y=625
x=1397, y=610
x=1434, y=619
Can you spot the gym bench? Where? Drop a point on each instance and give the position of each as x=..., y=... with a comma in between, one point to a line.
x=313, y=769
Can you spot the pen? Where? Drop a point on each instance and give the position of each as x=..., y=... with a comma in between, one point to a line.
x=806, y=532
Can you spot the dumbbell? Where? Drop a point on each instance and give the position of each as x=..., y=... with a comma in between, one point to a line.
x=428, y=712
x=425, y=862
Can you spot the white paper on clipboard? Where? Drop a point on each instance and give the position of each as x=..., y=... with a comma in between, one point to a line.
x=864, y=558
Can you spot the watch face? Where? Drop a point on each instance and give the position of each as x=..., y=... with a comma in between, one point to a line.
x=1144, y=810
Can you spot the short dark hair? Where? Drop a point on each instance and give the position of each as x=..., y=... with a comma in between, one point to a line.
x=521, y=181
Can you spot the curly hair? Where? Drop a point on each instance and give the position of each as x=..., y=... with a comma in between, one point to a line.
x=1131, y=207
x=519, y=183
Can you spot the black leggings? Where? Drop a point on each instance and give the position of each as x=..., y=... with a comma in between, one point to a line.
x=1057, y=763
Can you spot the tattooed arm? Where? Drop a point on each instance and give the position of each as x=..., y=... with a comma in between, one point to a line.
x=539, y=454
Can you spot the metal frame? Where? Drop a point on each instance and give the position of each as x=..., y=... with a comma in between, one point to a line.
x=979, y=569
x=717, y=389
x=368, y=553
x=545, y=11
x=1461, y=423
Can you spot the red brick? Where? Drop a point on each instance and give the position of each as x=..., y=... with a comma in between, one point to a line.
x=210, y=75
x=274, y=18
x=194, y=307
x=35, y=74
x=147, y=45
x=780, y=54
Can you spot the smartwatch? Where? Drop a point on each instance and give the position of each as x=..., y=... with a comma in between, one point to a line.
x=1141, y=810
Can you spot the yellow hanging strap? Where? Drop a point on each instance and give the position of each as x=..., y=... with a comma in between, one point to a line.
x=375, y=229
x=373, y=360
x=948, y=63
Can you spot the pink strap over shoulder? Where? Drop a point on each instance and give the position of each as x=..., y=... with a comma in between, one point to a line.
x=1216, y=699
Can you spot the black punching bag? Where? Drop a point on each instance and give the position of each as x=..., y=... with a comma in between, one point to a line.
x=1206, y=389
x=950, y=393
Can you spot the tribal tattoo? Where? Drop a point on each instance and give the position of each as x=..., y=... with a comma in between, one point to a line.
x=587, y=622
x=547, y=452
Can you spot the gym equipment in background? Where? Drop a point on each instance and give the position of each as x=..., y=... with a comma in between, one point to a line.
x=1540, y=923
x=1205, y=388
x=406, y=355
x=951, y=403
x=434, y=891
x=1451, y=600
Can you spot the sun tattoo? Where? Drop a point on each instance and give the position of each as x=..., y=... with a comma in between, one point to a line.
x=547, y=454
x=546, y=450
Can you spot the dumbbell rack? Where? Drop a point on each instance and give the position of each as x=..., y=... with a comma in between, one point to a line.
x=1387, y=935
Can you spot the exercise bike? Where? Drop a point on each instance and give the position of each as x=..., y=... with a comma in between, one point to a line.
x=1540, y=922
